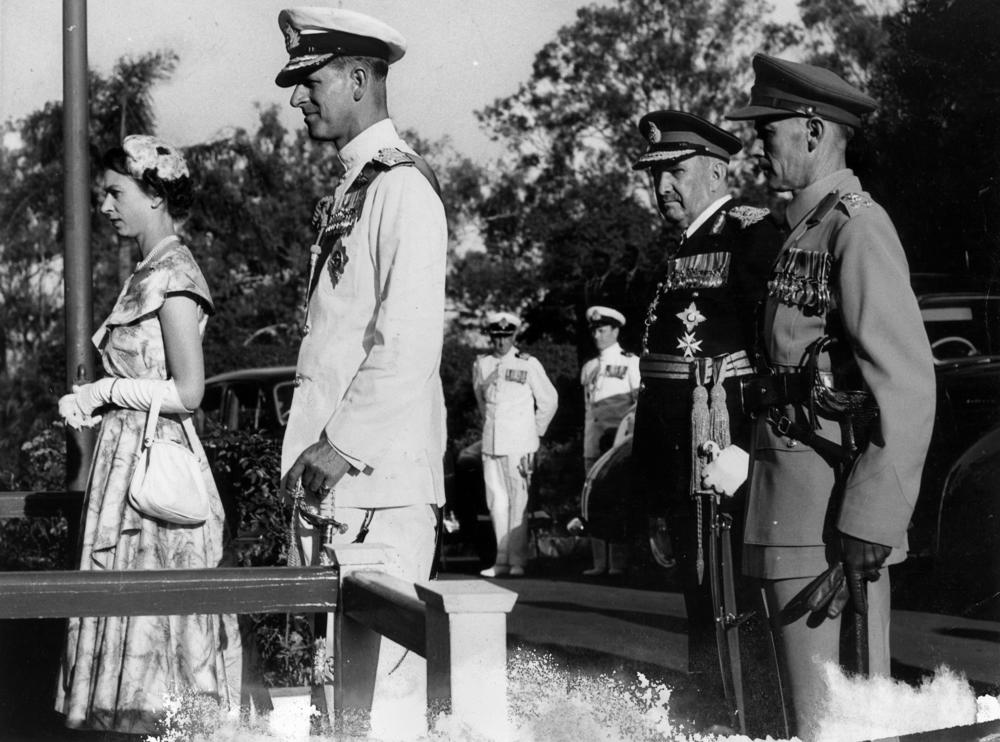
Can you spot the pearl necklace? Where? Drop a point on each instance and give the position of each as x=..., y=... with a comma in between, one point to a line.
x=157, y=248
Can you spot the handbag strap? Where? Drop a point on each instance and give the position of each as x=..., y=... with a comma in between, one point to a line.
x=152, y=416
x=149, y=433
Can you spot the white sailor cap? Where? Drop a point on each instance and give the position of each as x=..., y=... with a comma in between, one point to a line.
x=501, y=323
x=315, y=35
x=597, y=316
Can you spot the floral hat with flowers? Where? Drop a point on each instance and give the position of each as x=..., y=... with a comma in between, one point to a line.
x=144, y=152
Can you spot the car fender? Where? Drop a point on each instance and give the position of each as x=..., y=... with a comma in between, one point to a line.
x=970, y=493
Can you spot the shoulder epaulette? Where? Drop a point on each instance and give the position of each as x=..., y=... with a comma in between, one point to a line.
x=628, y=354
x=856, y=201
x=747, y=215
x=523, y=356
x=391, y=157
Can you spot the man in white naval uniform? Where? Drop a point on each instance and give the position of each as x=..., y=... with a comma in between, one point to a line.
x=610, y=389
x=517, y=402
x=365, y=433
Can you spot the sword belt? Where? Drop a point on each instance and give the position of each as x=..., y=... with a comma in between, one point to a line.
x=666, y=366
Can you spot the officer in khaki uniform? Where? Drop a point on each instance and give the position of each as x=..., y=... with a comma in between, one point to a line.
x=365, y=433
x=517, y=402
x=697, y=343
x=610, y=388
x=842, y=272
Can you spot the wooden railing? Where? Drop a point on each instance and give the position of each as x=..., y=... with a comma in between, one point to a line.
x=39, y=504
x=458, y=626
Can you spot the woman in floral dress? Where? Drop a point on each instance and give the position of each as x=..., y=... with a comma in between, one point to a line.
x=117, y=672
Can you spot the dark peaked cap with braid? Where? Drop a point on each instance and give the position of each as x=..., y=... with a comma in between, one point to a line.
x=675, y=135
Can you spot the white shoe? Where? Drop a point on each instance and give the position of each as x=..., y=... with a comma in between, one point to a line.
x=497, y=570
x=594, y=572
x=516, y=571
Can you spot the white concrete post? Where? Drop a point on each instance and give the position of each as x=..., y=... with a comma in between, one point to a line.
x=355, y=647
x=467, y=652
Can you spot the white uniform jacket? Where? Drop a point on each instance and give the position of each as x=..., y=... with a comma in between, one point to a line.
x=517, y=401
x=610, y=386
x=368, y=369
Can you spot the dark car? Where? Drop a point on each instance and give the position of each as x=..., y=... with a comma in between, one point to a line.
x=956, y=524
x=249, y=399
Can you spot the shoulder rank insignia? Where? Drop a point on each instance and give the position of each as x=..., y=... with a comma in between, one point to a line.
x=390, y=157
x=854, y=201
x=522, y=355
x=747, y=215
x=717, y=225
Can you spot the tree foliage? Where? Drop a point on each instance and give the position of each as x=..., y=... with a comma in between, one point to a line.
x=567, y=221
x=936, y=138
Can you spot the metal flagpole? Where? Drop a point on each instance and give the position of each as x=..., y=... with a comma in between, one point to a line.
x=76, y=229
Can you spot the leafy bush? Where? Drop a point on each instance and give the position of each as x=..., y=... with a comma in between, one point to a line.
x=246, y=465
x=41, y=542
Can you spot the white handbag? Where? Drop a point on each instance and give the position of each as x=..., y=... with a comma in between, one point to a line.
x=167, y=483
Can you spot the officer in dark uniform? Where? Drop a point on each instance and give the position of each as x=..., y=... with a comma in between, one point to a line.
x=698, y=339
x=840, y=273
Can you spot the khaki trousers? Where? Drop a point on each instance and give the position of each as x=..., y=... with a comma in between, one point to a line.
x=806, y=644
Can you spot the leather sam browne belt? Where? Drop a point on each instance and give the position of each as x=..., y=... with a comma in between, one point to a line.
x=665, y=366
x=817, y=391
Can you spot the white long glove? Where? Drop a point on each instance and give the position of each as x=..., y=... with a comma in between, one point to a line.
x=77, y=408
x=726, y=470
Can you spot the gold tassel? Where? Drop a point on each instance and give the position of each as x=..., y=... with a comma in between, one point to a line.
x=718, y=424
x=699, y=434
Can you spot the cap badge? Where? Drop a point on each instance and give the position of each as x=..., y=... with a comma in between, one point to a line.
x=292, y=37
x=654, y=134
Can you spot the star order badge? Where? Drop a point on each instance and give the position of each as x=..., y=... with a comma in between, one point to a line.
x=337, y=262
x=691, y=317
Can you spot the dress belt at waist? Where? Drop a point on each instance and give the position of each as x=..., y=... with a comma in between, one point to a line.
x=665, y=366
x=827, y=378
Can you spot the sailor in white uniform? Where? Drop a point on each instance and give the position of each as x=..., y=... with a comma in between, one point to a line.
x=517, y=402
x=610, y=389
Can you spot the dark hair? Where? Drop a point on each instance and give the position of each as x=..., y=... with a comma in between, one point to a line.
x=176, y=192
x=377, y=68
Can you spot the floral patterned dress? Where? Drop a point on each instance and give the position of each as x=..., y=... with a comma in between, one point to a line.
x=117, y=671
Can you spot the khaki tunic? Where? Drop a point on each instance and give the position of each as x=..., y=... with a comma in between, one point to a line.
x=791, y=506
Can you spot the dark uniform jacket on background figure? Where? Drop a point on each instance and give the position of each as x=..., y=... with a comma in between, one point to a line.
x=841, y=272
x=704, y=307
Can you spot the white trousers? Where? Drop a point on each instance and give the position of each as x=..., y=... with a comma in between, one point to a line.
x=399, y=701
x=507, y=499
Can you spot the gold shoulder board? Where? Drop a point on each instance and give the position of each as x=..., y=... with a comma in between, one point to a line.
x=747, y=215
x=391, y=157
x=856, y=201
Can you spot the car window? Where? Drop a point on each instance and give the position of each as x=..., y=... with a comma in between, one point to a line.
x=283, y=392
x=961, y=327
x=211, y=402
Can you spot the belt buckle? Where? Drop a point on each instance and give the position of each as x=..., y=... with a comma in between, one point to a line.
x=781, y=423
